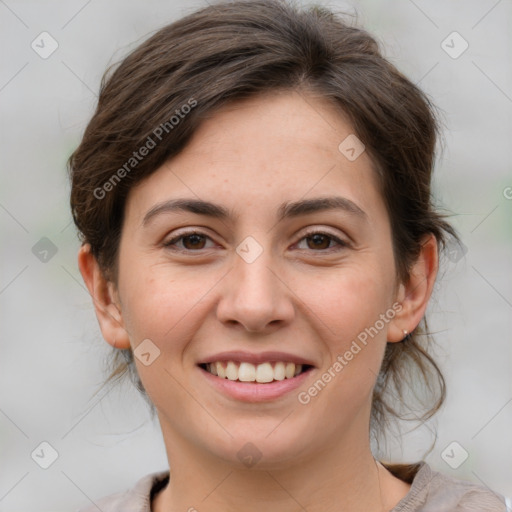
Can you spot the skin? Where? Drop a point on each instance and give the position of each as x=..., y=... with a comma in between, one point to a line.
x=310, y=299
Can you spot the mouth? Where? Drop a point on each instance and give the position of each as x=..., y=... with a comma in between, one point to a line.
x=263, y=373
x=256, y=377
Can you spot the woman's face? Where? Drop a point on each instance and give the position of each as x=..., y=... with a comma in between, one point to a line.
x=270, y=271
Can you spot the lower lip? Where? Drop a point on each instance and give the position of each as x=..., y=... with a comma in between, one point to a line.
x=254, y=391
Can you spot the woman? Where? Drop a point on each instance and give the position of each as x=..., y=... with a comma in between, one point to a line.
x=253, y=198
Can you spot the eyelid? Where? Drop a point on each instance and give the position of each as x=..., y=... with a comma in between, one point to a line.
x=320, y=231
x=310, y=232
x=183, y=234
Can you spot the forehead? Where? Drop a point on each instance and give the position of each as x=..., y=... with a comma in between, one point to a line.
x=256, y=154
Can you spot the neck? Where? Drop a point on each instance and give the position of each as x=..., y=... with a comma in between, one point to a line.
x=342, y=477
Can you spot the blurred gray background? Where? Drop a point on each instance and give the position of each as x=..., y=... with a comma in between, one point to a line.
x=52, y=353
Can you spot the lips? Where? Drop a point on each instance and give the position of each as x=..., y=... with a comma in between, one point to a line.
x=262, y=368
x=256, y=358
x=253, y=391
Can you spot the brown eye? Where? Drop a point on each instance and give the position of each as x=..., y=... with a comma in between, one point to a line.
x=322, y=241
x=319, y=241
x=192, y=241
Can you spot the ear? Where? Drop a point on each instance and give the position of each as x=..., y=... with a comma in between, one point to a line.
x=415, y=293
x=105, y=298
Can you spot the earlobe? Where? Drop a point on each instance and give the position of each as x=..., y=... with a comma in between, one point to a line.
x=415, y=294
x=103, y=294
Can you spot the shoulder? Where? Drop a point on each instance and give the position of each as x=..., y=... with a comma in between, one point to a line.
x=432, y=491
x=134, y=499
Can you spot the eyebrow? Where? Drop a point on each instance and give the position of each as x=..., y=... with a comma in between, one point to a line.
x=286, y=210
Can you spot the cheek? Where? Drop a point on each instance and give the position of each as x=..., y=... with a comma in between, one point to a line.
x=348, y=301
x=348, y=306
x=168, y=307
x=156, y=303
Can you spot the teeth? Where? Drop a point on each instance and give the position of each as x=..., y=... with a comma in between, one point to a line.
x=247, y=372
x=221, y=372
x=279, y=371
x=232, y=371
x=264, y=373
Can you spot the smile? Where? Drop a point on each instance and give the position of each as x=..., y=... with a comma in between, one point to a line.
x=260, y=373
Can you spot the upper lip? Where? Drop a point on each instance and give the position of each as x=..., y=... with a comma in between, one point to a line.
x=256, y=358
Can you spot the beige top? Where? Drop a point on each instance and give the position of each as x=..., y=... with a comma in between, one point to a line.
x=430, y=491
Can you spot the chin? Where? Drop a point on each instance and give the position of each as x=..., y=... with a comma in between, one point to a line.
x=260, y=448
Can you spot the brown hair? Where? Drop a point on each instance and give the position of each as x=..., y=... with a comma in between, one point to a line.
x=234, y=50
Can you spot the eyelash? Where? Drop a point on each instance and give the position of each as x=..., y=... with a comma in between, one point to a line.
x=309, y=234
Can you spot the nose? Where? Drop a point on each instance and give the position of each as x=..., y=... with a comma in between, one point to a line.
x=255, y=296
